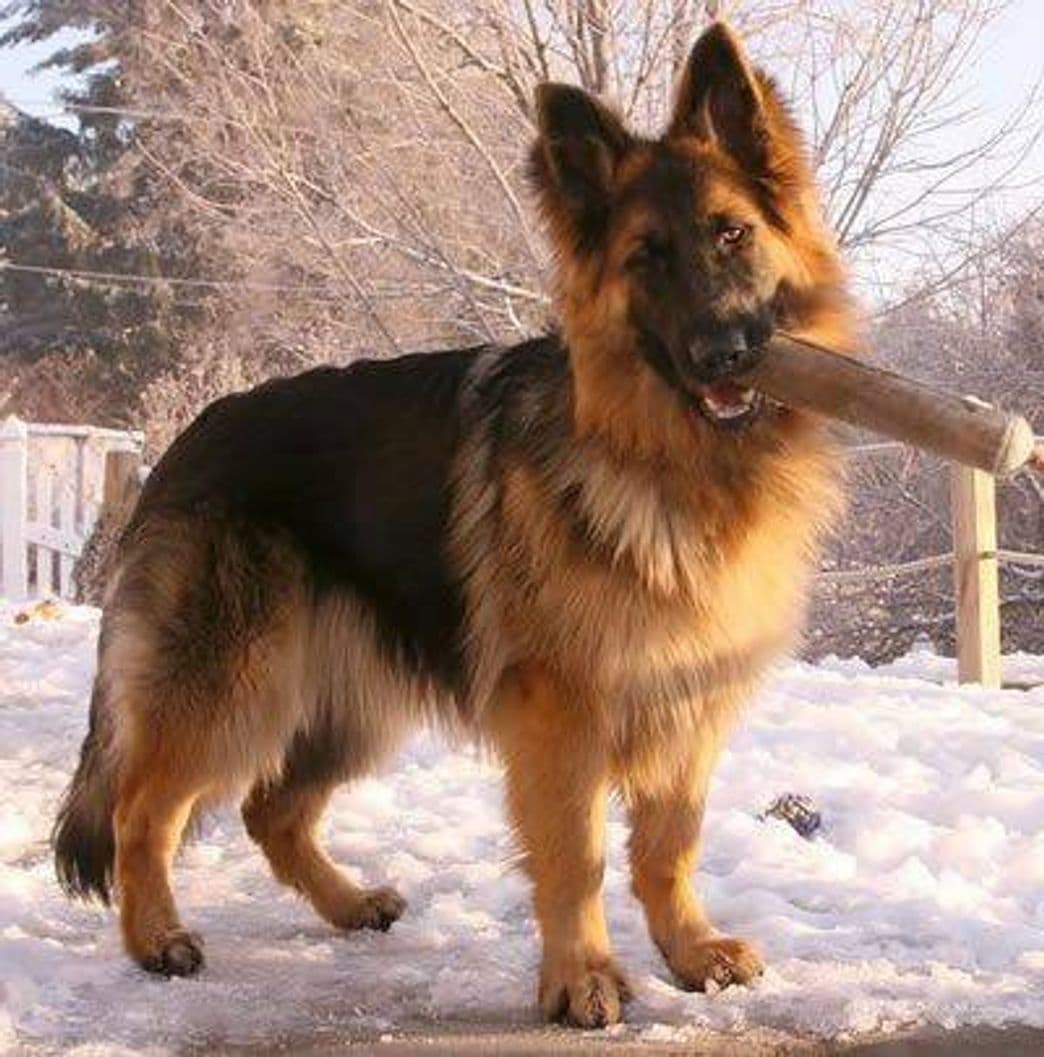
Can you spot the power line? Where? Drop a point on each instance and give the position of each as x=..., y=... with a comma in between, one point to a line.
x=316, y=290
x=129, y=278
x=180, y=117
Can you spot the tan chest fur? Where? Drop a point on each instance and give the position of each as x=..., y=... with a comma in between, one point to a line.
x=653, y=592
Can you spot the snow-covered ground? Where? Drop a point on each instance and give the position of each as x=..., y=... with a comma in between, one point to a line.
x=921, y=901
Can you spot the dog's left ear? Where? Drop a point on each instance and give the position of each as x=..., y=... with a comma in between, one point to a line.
x=721, y=99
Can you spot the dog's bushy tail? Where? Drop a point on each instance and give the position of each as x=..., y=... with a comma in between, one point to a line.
x=83, y=838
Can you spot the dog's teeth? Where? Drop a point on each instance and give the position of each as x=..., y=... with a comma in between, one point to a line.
x=728, y=403
x=737, y=407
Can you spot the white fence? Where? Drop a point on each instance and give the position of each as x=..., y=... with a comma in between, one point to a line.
x=52, y=484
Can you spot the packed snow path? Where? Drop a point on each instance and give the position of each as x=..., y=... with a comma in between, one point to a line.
x=921, y=901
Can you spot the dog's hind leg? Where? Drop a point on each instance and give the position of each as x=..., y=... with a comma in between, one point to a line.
x=154, y=801
x=201, y=653
x=283, y=816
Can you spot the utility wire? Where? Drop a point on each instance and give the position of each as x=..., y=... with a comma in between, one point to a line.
x=129, y=278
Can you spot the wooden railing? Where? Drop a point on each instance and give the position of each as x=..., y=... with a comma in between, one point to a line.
x=975, y=560
x=52, y=490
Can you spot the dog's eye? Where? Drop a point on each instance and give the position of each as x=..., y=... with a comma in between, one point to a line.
x=652, y=251
x=732, y=235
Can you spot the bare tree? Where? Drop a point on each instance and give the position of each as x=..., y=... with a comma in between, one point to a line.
x=905, y=157
x=389, y=136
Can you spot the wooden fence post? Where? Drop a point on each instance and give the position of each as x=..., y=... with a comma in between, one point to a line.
x=14, y=462
x=96, y=561
x=973, y=496
x=122, y=482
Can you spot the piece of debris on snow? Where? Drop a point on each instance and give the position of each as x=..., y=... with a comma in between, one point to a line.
x=48, y=609
x=799, y=811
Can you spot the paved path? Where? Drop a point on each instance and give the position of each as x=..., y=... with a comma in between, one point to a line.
x=973, y=1042
x=495, y=1042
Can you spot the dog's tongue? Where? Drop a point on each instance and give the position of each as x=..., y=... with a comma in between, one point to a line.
x=724, y=392
x=725, y=396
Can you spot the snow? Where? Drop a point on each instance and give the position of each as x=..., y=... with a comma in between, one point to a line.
x=920, y=902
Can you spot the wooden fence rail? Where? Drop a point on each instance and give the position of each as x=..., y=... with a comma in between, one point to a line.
x=976, y=568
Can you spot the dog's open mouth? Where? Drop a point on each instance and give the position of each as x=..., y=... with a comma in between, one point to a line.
x=728, y=404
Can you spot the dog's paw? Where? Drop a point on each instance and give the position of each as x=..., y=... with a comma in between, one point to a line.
x=179, y=953
x=588, y=995
x=375, y=908
x=717, y=961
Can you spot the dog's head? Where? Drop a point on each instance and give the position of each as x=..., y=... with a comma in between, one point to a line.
x=693, y=246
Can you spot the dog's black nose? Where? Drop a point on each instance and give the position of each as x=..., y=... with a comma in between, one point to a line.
x=725, y=353
x=730, y=352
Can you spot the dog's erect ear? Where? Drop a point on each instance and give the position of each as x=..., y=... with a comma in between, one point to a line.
x=580, y=144
x=721, y=99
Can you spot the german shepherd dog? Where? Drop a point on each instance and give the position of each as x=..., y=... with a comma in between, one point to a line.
x=583, y=550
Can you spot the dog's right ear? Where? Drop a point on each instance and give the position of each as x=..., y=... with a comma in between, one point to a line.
x=579, y=147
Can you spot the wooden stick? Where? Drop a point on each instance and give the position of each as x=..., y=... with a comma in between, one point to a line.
x=963, y=429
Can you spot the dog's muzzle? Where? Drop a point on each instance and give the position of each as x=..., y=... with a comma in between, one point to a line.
x=716, y=363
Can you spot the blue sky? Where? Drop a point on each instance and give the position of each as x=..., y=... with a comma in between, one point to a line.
x=1012, y=58
x=28, y=90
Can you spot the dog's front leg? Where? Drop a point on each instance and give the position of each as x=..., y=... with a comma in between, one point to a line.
x=557, y=788
x=665, y=839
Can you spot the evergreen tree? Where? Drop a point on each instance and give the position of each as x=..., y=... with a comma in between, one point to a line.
x=82, y=206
